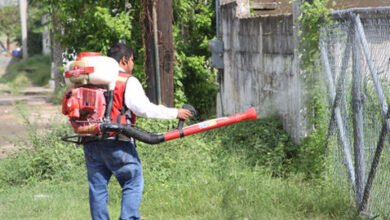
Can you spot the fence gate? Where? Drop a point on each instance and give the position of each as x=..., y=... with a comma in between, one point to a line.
x=355, y=55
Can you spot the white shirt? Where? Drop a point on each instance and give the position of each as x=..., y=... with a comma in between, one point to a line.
x=137, y=101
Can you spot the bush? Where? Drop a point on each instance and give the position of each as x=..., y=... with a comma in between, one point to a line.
x=58, y=94
x=47, y=158
x=261, y=143
x=20, y=82
x=36, y=68
x=255, y=143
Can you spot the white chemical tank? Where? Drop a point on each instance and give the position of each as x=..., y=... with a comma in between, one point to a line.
x=94, y=69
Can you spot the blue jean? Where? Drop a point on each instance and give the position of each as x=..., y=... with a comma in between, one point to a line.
x=104, y=159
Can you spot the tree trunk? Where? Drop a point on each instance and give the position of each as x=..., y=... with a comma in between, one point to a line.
x=8, y=42
x=147, y=17
x=164, y=48
x=56, y=55
x=23, y=25
x=166, y=52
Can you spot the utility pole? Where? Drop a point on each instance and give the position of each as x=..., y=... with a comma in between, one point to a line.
x=159, y=54
x=23, y=22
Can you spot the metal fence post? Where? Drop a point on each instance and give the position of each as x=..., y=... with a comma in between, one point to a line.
x=357, y=108
x=374, y=73
x=339, y=120
x=384, y=110
x=340, y=87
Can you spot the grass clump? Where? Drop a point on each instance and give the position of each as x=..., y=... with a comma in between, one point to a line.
x=20, y=82
x=36, y=68
x=44, y=157
x=261, y=143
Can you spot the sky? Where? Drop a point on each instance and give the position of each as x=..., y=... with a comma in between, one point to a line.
x=8, y=2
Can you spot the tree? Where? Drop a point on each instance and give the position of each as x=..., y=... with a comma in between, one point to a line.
x=162, y=23
x=85, y=26
x=9, y=23
x=194, y=28
x=57, y=51
x=94, y=25
x=91, y=25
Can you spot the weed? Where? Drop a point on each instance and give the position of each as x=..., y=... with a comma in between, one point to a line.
x=36, y=68
x=232, y=173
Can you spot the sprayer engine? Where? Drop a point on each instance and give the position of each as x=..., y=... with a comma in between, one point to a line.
x=85, y=109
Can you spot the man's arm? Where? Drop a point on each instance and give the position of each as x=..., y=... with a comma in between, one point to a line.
x=137, y=101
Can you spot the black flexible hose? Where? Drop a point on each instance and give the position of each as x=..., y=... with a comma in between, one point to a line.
x=132, y=132
x=109, y=95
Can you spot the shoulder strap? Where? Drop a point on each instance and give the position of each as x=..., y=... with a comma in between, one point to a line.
x=109, y=96
x=124, y=110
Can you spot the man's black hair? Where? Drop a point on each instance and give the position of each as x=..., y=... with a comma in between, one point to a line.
x=120, y=50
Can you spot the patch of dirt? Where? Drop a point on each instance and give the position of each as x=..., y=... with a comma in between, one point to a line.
x=17, y=120
x=19, y=114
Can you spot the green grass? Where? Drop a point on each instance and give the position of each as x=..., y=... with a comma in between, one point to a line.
x=242, y=195
x=34, y=70
x=45, y=201
x=245, y=194
x=198, y=177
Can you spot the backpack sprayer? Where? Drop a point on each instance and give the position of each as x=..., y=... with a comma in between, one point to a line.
x=88, y=105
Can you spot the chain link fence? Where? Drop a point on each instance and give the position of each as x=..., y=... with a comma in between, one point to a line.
x=355, y=55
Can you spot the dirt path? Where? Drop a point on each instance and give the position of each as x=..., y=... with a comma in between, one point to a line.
x=14, y=128
x=15, y=110
x=17, y=119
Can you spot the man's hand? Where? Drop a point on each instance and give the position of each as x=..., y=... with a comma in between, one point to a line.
x=183, y=113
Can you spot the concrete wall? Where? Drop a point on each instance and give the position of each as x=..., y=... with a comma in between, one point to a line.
x=258, y=67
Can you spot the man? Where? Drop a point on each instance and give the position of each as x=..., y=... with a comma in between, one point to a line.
x=118, y=155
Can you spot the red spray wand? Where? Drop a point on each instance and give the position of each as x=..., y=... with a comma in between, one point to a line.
x=156, y=138
x=209, y=124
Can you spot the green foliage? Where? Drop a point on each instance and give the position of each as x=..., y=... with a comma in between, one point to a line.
x=193, y=26
x=311, y=154
x=9, y=20
x=178, y=77
x=96, y=25
x=261, y=143
x=19, y=83
x=199, y=83
x=58, y=94
x=110, y=29
x=314, y=14
x=46, y=200
x=35, y=68
x=231, y=173
x=240, y=193
x=10, y=25
x=90, y=25
x=34, y=32
x=34, y=42
x=45, y=157
x=228, y=173
x=192, y=31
